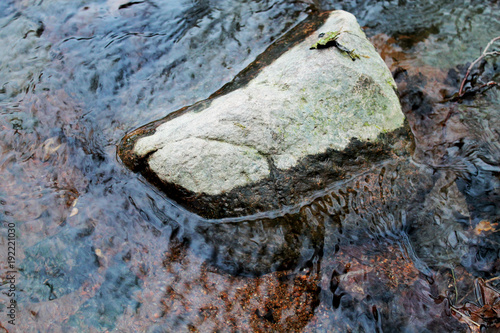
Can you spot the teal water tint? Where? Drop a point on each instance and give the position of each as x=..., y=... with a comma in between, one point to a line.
x=100, y=249
x=120, y=284
x=52, y=269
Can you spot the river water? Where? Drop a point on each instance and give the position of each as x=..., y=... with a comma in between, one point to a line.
x=98, y=249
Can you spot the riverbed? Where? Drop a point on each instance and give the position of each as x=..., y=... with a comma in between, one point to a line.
x=98, y=248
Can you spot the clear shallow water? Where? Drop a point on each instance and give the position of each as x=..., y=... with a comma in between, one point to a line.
x=99, y=249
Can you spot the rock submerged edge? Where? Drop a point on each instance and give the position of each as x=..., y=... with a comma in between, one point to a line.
x=282, y=187
x=290, y=187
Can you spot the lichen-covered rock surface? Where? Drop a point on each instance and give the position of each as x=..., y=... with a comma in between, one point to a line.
x=294, y=121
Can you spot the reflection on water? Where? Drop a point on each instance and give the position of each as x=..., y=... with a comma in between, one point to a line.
x=99, y=249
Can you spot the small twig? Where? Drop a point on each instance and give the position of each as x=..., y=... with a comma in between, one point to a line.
x=483, y=55
x=489, y=84
x=461, y=300
x=470, y=291
x=454, y=284
x=465, y=316
x=492, y=279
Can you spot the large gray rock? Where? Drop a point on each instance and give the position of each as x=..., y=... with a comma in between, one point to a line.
x=308, y=118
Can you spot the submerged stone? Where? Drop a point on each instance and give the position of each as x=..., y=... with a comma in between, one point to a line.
x=294, y=121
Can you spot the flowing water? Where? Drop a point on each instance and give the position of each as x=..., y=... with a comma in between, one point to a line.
x=99, y=249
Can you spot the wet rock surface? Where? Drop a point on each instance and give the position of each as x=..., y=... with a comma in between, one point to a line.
x=307, y=119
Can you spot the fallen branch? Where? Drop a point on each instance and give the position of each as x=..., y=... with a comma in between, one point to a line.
x=483, y=55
